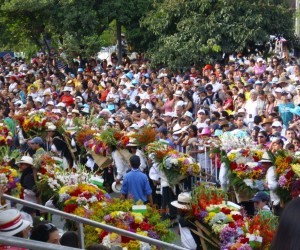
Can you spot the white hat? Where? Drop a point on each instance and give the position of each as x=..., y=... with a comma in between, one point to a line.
x=265, y=158
x=180, y=103
x=201, y=111
x=67, y=89
x=50, y=103
x=188, y=114
x=46, y=92
x=178, y=93
x=38, y=99
x=117, y=187
x=131, y=143
x=161, y=75
x=276, y=124
x=51, y=127
x=171, y=114
x=61, y=104
x=278, y=90
x=18, y=103
x=11, y=222
x=25, y=159
x=23, y=106
x=135, y=126
x=56, y=111
x=260, y=59
x=75, y=111
x=79, y=97
x=183, y=202
x=241, y=110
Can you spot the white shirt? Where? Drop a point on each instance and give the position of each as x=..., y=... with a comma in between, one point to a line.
x=272, y=185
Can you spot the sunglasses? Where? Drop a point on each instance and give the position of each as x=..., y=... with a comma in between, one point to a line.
x=260, y=136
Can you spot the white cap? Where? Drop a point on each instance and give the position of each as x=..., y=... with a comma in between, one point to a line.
x=260, y=59
x=278, y=90
x=180, y=103
x=56, y=111
x=188, y=114
x=50, y=103
x=61, y=104
x=201, y=111
x=135, y=126
x=46, y=92
x=276, y=124
x=171, y=114
x=67, y=89
x=18, y=103
x=241, y=110
x=38, y=99
x=178, y=93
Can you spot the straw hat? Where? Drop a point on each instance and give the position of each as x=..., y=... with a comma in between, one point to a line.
x=265, y=158
x=25, y=159
x=11, y=222
x=116, y=187
x=183, y=202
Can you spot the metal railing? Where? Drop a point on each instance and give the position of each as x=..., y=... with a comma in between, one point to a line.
x=81, y=221
x=31, y=244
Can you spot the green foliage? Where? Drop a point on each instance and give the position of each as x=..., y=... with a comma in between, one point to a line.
x=201, y=30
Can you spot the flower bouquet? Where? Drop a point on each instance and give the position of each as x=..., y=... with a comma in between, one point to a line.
x=74, y=197
x=287, y=170
x=10, y=178
x=145, y=136
x=35, y=124
x=157, y=151
x=177, y=166
x=5, y=135
x=149, y=224
x=246, y=174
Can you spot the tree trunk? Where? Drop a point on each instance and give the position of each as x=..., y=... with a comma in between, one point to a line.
x=119, y=49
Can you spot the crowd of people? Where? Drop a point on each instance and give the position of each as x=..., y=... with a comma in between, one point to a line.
x=186, y=107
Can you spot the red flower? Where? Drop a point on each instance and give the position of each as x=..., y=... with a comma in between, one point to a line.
x=232, y=225
x=244, y=240
x=145, y=226
x=225, y=210
x=233, y=165
x=289, y=174
x=70, y=208
x=237, y=217
x=102, y=235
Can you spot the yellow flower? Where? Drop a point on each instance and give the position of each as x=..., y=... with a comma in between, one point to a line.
x=138, y=217
x=209, y=216
x=231, y=156
x=296, y=169
x=259, y=153
x=37, y=119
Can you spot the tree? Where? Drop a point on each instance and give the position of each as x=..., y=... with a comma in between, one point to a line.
x=202, y=30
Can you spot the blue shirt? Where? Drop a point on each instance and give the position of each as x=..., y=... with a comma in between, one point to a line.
x=136, y=185
x=285, y=113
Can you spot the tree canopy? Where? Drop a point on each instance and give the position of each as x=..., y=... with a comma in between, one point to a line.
x=202, y=30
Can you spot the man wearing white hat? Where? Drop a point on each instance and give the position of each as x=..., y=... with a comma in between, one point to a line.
x=27, y=181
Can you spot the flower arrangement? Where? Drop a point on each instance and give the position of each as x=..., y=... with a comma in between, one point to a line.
x=177, y=166
x=5, y=135
x=35, y=124
x=51, y=181
x=145, y=136
x=287, y=174
x=224, y=224
x=245, y=170
x=157, y=151
x=73, y=197
x=84, y=135
x=148, y=225
x=10, y=178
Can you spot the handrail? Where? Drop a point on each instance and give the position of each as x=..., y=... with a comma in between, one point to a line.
x=31, y=244
x=106, y=227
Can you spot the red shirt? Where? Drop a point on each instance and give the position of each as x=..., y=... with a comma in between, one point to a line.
x=67, y=99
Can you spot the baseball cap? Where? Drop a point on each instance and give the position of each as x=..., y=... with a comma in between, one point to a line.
x=37, y=140
x=276, y=124
x=260, y=196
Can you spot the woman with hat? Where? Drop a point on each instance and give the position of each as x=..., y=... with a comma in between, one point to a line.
x=189, y=239
x=12, y=224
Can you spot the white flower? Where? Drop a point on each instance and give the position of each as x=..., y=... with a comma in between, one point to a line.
x=174, y=161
